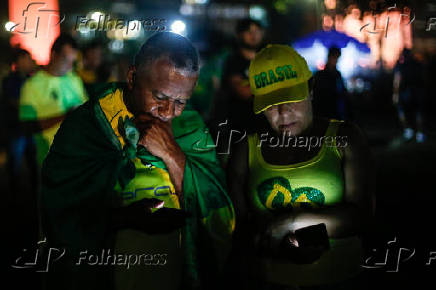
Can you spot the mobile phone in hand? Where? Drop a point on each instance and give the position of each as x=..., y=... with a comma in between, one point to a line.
x=313, y=236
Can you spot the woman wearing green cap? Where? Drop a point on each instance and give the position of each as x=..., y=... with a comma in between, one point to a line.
x=301, y=188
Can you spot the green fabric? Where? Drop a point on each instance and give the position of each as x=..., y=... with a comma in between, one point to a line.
x=45, y=96
x=314, y=183
x=86, y=161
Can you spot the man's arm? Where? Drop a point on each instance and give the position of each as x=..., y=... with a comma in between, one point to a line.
x=36, y=126
x=351, y=216
x=157, y=137
x=175, y=160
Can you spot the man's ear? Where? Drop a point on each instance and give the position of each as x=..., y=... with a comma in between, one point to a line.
x=131, y=77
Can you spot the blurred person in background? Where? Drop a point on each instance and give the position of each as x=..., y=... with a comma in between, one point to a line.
x=409, y=96
x=249, y=35
x=94, y=70
x=330, y=95
x=50, y=93
x=20, y=146
x=302, y=190
x=234, y=101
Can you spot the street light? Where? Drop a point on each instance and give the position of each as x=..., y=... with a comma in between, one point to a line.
x=178, y=27
x=10, y=26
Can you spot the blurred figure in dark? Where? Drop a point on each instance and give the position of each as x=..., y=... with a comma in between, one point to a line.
x=20, y=146
x=94, y=71
x=48, y=95
x=235, y=76
x=234, y=103
x=330, y=94
x=409, y=96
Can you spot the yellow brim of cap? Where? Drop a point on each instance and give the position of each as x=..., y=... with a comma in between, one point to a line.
x=295, y=93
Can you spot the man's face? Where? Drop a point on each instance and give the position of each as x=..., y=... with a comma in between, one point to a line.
x=25, y=64
x=65, y=59
x=161, y=90
x=252, y=37
x=290, y=118
x=93, y=58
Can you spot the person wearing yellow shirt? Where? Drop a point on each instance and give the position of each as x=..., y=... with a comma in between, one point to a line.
x=301, y=189
x=47, y=96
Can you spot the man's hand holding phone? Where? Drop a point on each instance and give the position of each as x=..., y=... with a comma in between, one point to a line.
x=140, y=215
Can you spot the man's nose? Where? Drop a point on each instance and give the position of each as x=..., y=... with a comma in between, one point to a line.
x=286, y=108
x=166, y=110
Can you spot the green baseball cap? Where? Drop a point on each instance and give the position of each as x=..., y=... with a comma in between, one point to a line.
x=278, y=75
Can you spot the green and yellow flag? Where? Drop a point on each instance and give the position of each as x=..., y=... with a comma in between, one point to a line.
x=87, y=162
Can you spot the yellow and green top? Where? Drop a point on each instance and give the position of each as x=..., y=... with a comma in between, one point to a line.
x=150, y=181
x=45, y=96
x=315, y=183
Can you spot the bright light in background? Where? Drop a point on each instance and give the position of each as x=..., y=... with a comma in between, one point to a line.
x=96, y=15
x=10, y=26
x=350, y=62
x=134, y=30
x=257, y=12
x=179, y=27
x=42, y=26
x=330, y=4
x=116, y=45
x=196, y=1
x=316, y=55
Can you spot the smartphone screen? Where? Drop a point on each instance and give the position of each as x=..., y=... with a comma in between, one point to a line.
x=314, y=236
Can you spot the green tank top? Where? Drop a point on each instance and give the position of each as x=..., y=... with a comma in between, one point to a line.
x=314, y=183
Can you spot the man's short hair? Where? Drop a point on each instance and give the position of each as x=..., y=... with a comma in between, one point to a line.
x=63, y=39
x=17, y=53
x=244, y=25
x=179, y=50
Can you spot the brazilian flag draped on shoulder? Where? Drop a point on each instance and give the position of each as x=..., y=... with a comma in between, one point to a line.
x=85, y=163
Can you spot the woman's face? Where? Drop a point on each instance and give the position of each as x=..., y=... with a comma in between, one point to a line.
x=290, y=118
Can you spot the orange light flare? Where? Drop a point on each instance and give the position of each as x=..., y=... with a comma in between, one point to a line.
x=37, y=25
x=352, y=23
x=330, y=4
x=386, y=33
